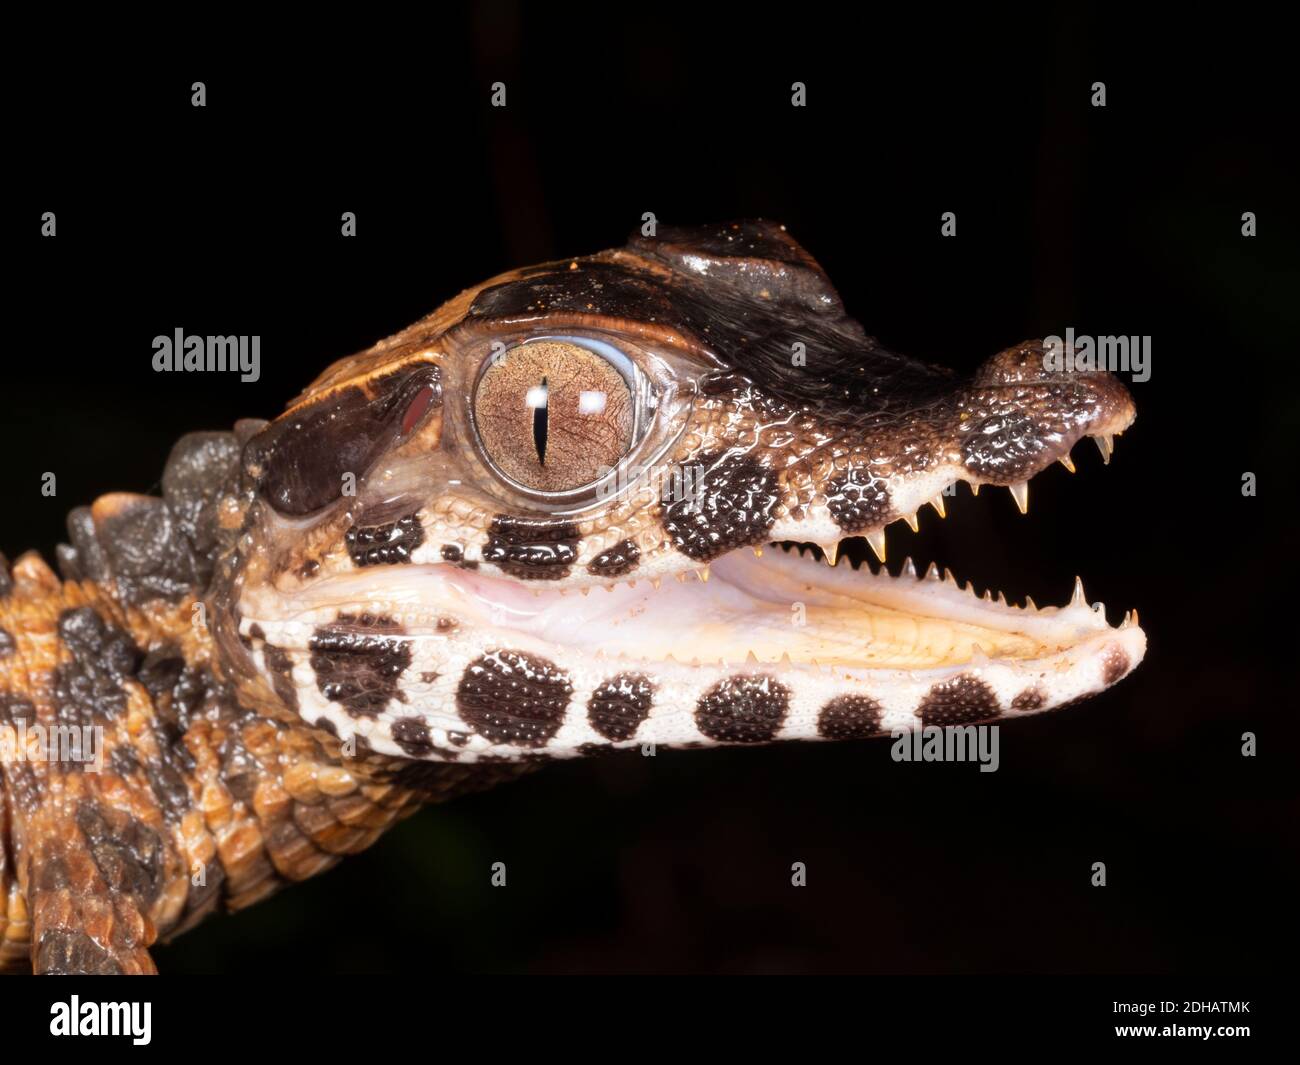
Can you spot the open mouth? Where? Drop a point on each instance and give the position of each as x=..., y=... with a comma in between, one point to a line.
x=785, y=605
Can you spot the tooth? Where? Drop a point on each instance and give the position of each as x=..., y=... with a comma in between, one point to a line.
x=978, y=657
x=908, y=567
x=751, y=659
x=974, y=488
x=1020, y=493
x=703, y=574
x=832, y=553
x=932, y=574
x=656, y=581
x=1078, y=599
x=1067, y=462
x=937, y=503
x=785, y=659
x=911, y=520
x=758, y=552
x=1105, y=444
x=1029, y=603
x=609, y=587
x=586, y=589
x=877, y=541
x=681, y=577
x=1135, y=615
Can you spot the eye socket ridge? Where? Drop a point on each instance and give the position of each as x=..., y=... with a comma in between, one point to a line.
x=555, y=414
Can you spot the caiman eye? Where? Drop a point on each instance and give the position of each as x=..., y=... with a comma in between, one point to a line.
x=554, y=414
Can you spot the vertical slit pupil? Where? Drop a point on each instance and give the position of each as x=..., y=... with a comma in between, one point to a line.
x=540, y=415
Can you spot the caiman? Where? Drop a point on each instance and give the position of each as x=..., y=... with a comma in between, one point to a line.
x=531, y=526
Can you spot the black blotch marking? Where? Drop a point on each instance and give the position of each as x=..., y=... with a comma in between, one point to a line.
x=413, y=736
x=725, y=502
x=127, y=852
x=849, y=717
x=123, y=760
x=446, y=624
x=1114, y=665
x=177, y=690
x=199, y=469
x=102, y=658
x=358, y=660
x=617, y=708
x=963, y=700
x=513, y=697
x=858, y=500
x=615, y=561
x=451, y=553
x=387, y=544
x=148, y=553
x=91, y=562
x=63, y=953
x=256, y=632
x=429, y=676
x=240, y=769
x=1004, y=446
x=743, y=709
x=531, y=549
x=7, y=642
x=281, y=667
x=298, y=461
x=1029, y=699
x=308, y=569
x=326, y=725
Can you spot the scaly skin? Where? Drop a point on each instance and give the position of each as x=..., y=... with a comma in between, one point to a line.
x=381, y=598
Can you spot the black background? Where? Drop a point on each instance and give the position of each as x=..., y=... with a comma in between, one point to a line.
x=1120, y=220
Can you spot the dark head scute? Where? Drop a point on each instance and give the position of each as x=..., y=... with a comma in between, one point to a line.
x=532, y=549
x=358, y=661
x=515, y=698
x=858, y=500
x=280, y=666
x=299, y=460
x=725, y=501
x=616, y=561
x=849, y=717
x=617, y=708
x=384, y=544
x=746, y=708
x=964, y=700
x=1114, y=664
x=413, y=736
x=1029, y=699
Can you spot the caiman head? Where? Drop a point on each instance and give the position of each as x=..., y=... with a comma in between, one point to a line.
x=546, y=520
